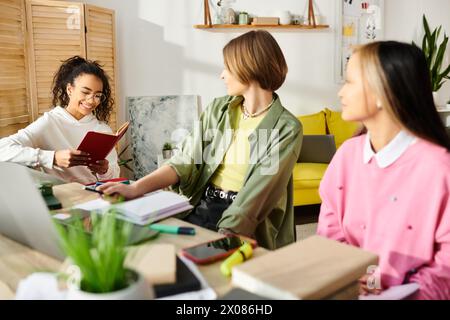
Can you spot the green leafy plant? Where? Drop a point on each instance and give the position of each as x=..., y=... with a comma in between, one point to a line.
x=124, y=162
x=168, y=146
x=435, y=55
x=100, y=256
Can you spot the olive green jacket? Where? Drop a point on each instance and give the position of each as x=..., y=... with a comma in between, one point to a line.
x=263, y=208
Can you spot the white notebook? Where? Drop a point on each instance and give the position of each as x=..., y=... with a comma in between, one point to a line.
x=144, y=210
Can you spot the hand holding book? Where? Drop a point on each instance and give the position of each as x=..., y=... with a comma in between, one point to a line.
x=99, y=167
x=98, y=144
x=70, y=158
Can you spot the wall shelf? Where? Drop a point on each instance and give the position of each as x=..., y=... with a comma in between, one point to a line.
x=224, y=27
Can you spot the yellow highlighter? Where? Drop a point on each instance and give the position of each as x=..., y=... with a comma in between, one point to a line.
x=240, y=255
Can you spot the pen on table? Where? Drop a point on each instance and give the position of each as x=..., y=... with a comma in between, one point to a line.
x=172, y=229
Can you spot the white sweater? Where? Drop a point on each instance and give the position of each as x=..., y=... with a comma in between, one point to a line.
x=57, y=129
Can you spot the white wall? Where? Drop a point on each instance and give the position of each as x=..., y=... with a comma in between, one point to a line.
x=159, y=52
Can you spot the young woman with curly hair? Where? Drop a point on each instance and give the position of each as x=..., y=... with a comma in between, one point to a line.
x=82, y=102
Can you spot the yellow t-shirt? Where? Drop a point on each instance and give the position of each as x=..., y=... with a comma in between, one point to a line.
x=231, y=172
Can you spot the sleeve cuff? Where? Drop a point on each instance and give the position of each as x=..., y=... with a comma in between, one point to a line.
x=45, y=159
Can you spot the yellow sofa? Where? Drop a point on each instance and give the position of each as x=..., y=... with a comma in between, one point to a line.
x=307, y=176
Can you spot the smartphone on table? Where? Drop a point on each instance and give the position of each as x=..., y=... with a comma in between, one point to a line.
x=214, y=250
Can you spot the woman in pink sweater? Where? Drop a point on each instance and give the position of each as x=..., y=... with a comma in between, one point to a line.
x=387, y=191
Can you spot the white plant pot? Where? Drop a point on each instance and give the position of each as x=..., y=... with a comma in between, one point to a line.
x=138, y=290
x=167, y=154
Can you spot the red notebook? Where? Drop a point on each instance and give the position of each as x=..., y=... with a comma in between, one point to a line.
x=99, y=144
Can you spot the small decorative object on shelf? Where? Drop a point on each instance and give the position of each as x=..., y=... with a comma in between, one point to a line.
x=297, y=19
x=285, y=17
x=266, y=21
x=226, y=12
x=243, y=18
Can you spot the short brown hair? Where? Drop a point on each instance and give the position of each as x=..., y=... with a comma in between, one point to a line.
x=256, y=56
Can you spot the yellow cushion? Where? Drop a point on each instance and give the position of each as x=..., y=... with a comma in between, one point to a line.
x=313, y=123
x=308, y=175
x=305, y=197
x=342, y=130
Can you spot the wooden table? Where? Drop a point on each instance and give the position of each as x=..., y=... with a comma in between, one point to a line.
x=18, y=261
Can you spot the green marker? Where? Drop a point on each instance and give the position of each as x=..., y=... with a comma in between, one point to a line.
x=172, y=229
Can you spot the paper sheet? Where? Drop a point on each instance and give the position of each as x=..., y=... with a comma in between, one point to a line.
x=394, y=293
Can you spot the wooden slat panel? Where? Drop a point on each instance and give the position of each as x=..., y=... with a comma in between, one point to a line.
x=14, y=98
x=11, y=4
x=100, y=40
x=8, y=93
x=51, y=25
x=18, y=52
x=8, y=12
x=13, y=113
x=11, y=129
x=52, y=20
x=18, y=100
x=11, y=25
x=51, y=47
x=58, y=42
x=62, y=31
x=53, y=9
x=11, y=121
x=11, y=45
x=58, y=15
x=10, y=19
x=16, y=38
x=102, y=21
x=56, y=34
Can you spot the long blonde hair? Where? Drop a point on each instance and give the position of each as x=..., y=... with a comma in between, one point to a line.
x=397, y=73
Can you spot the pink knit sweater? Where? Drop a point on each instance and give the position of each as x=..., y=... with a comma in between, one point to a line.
x=401, y=213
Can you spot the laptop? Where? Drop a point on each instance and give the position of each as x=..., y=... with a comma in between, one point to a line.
x=30, y=222
x=317, y=149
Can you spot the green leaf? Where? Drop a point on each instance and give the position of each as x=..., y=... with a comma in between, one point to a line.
x=446, y=72
x=100, y=256
x=435, y=54
x=426, y=27
x=440, y=58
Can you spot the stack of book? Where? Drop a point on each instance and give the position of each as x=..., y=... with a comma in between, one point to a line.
x=315, y=268
x=153, y=207
x=144, y=210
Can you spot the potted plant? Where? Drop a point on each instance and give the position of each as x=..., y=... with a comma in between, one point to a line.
x=99, y=258
x=167, y=150
x=435, y=54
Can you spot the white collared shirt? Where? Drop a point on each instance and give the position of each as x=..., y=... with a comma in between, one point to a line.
x=391, y=152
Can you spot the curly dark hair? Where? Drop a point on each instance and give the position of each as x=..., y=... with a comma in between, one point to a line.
x=69, y=71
